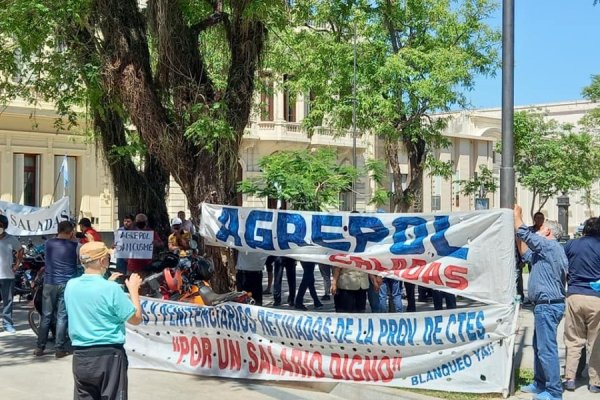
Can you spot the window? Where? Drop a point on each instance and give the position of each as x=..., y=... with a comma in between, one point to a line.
x=266, y=102
x=65, y=179
x=346, y=200
x=289, y=102
x=27, y=179
x=436, y=203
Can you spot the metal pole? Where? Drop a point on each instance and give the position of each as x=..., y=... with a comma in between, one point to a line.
x=507, y=171
x=354, y=161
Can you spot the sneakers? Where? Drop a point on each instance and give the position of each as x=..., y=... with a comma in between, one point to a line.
x=318, y=305
x=532, y=388
x=326, y=297
x=9, y=329
x=546, y=396
x=38, y=352
x=569, y=385
x=594, y=389
x=61, y=354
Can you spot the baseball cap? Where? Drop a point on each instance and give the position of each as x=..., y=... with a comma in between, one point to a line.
x=176, y=221
x=92, y=251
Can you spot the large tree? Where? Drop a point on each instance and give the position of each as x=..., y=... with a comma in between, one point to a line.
x=551, y=158
x=181, y=73
x=414, y=59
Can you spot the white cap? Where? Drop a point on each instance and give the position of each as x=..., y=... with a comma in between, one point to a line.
x=176, y=221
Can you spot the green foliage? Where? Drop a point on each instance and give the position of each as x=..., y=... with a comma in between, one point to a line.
x=592, y=92
x=413, y=59
x=307, y=180
x=484, y=182
x=376, y=169
x=552, y=158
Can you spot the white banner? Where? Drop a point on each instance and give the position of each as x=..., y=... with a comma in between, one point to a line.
x=466, y=350
x=30, y=221
x=134, y=244
x=471, y=254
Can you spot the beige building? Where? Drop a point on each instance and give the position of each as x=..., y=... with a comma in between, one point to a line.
x=31, y=152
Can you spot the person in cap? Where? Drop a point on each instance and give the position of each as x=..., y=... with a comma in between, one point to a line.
x=88, y=234
x=97, y=310
x=11, y=254
x=179, y=239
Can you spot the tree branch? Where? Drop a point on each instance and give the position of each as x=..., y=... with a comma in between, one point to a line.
x=210, y=21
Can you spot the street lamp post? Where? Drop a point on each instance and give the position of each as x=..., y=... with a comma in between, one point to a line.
x=354, y=161
x=507, y=172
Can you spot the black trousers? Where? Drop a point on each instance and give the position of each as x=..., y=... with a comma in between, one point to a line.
x=250, y=281
x=350, y=301
x=100, y=373
x=307, y=282
x=289, y=265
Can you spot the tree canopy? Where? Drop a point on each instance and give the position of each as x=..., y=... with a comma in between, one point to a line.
x=414, y=58
x=306, y=180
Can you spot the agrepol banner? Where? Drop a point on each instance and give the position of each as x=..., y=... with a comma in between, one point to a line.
x=457, y=350
x=470, y=349
x=471, y=254
x=29, y=221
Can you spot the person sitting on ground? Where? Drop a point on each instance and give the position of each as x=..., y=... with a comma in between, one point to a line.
x=61, y=266
x=88, y=234
x=582, y=321
x=97, y=310
x=546, y=290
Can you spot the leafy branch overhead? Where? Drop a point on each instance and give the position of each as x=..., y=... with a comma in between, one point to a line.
x=483, y=183
x=305, y=179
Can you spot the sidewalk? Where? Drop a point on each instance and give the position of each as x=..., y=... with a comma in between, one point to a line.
x=23, y=376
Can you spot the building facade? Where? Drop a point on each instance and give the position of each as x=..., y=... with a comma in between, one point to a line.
x=32, y=151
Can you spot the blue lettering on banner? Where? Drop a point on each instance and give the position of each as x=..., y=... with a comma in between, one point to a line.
x=377, y=234
x=284, y=238
x=230, y=225
x=252, y=231
x=328, y=231
x=323, y=238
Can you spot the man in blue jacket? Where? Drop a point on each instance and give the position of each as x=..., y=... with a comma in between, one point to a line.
x=546, y=291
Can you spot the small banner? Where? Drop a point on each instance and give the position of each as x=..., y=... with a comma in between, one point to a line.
x=471, y=254
x=466, y=350
x=31, y=221
x=134, y=244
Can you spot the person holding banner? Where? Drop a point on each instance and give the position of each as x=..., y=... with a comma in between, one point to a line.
x=11, y=255
x=349, y=288
x=249, y=273
x=98, y=310
x=138, y=264
x=546, y=290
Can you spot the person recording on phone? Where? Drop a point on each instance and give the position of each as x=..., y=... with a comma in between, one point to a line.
x=97, y=310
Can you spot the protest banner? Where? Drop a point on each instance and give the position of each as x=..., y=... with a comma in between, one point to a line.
x=471, y=254
x=133, y=244
x=30, y=221
x=467, y=350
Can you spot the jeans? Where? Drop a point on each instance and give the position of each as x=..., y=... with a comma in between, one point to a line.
x=393, y=287
x=7, y=291
x=373, y=298
x=289, y=265
x=307, y=282
x=326, y=274
x=546, y=365
x=53, y=302
x=438, y=300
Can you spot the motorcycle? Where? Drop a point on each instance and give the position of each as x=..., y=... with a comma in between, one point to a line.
x=29, y=270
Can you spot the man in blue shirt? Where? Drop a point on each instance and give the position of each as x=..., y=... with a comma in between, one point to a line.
x=98, y=310
x=61, y=265
x=546, y=290
x=582, y=322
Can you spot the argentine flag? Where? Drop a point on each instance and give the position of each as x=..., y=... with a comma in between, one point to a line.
x=64, y=170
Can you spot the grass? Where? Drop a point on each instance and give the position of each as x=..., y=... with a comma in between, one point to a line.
x=522, y=377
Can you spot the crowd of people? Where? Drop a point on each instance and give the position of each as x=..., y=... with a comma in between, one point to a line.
x=563, y=281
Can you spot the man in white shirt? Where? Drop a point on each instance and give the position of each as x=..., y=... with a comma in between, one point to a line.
x=186, y=224
x=249, y=273
x=11, y=254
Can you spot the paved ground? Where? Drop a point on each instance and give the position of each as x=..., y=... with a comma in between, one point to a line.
x=24, y=377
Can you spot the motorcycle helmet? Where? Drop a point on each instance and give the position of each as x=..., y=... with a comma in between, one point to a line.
x=203, y=269
x=170, y=260
x=174, y=281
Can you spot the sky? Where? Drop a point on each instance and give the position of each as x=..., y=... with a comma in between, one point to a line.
x=557, y=49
